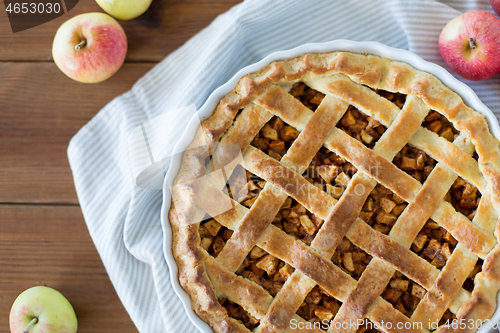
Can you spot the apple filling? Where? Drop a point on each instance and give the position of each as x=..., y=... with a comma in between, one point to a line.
x=394, y=97
x=363, y=128
x=275, y=138
x=475, y=156
x=351, y=259
x=213, y=236
x=235, y=311
x=414, y=162
x=382, y=208
x=403, y=293
x=464, y=197
x=437, y=123
x=244, y=187
x=319, y=307
x=434, y=244
x=297, y=221
x=309, y=97
x=265, y=270
x=448, y=318
x=330, y=172
x=469, y=283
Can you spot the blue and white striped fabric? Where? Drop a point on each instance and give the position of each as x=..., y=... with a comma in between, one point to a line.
x=123, y=219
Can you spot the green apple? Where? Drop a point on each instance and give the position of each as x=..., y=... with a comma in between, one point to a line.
x=42, y=309
x=124, y=9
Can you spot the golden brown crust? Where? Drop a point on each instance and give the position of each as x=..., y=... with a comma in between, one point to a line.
x=381, y=246
x=338, y=75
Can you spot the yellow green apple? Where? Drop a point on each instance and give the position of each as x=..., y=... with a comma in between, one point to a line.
x=124, y=9
x=42, y=309
x=90, y=47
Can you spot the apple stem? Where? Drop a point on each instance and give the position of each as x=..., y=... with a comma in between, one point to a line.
x=32, y=322
x=472, y=43
x=80, y=45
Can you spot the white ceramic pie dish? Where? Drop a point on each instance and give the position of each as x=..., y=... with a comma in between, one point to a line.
x=206, y=110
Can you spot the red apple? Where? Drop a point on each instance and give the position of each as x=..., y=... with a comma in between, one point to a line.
x=90, y=47
x=470, y=45
x=496, y=6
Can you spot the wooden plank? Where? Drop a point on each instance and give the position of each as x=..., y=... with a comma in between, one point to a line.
x=40, y=111
x=50, y=245
x=151, y=37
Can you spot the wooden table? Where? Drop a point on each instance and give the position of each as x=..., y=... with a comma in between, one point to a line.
x=43, y=237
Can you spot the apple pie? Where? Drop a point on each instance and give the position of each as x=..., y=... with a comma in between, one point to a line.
x=362, y=196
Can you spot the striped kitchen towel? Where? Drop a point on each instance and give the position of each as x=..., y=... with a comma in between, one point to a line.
x=124, y=219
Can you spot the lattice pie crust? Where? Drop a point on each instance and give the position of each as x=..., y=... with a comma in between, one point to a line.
x=370, y=191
